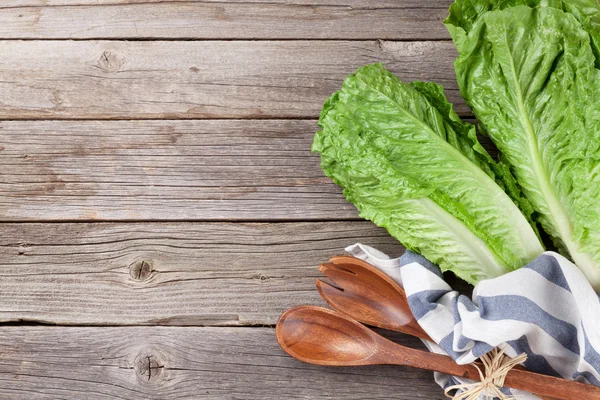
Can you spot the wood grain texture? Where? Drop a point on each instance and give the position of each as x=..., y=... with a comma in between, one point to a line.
x=199, y=79
x=185, y=363
x=355, y=4
x=280, y=19
x=178, y=277
x=165, y=170
x=168, y=273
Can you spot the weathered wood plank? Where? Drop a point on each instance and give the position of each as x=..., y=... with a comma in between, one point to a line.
x=199, y=79
x=280, y=19
x=185, y=363
x=355, y=4
x=164, y=170
x=168, y=273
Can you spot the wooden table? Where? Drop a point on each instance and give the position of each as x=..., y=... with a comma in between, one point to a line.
x=159, y=204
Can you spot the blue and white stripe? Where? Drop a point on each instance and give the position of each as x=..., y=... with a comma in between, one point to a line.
x=546, y=309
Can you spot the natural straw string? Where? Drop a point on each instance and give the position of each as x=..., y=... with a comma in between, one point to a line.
x=496, y=364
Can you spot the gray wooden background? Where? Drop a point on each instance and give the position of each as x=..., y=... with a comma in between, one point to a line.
x=159, y=205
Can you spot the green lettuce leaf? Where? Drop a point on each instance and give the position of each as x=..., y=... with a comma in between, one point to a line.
x=409, y=164
x=529, y=76
x=469, y=145
x=464, y=14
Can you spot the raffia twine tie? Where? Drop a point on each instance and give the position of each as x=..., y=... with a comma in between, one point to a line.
x=496, y=365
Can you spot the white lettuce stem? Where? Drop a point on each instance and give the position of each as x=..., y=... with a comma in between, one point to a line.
x=491, y=266
x=587, y=265
x=557, y=212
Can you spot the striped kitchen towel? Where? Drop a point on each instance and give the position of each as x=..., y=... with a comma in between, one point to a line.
x=546, y=309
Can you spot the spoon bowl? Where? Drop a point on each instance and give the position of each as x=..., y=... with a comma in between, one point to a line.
x=313, y=334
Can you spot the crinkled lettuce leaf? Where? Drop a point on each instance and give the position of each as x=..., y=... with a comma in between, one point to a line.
x=529, y=76
x=409, y=164
x=464, y=14
x=469, y=145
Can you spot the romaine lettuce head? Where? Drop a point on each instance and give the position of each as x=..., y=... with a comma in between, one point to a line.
x=529, y=75
x=408, y=163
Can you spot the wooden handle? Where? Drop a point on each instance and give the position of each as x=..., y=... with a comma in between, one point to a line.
x=550, y=386
x=543, y=385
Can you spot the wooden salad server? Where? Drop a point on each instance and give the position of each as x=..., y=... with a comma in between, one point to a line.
x=367, y=295
x=320, y=336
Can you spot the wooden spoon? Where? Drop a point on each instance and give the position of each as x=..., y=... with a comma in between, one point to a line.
x=368, y=295
x=320, y=336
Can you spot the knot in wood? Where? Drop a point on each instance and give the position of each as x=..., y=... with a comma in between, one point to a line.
x=22, y=249
x=261, y=278
x=149, y=368
x=141, y=270
x=110, y=61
